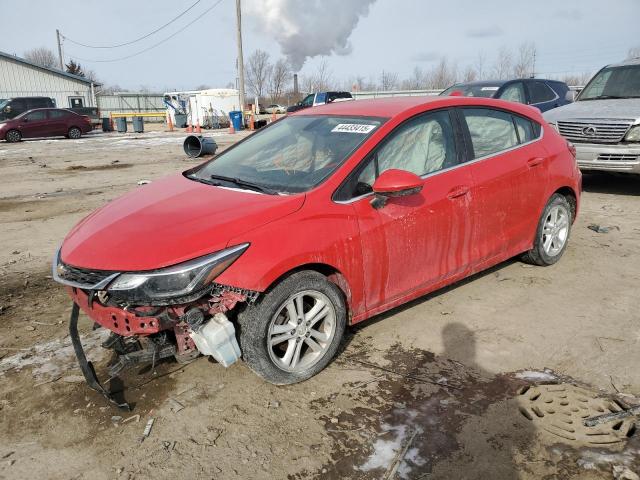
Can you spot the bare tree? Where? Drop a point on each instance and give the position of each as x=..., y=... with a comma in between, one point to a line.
x=634, y=52
x=503, y=65
x=278, y=79
x=42, y=56
x=388, y=80
x=442, y=75
x=75, y=68
x=479, y=66
x=92, y=76
x=470, y=74
x=257, y=72
x=416, y=80
x=111, y=89
x=525, y=61
x=320, y=80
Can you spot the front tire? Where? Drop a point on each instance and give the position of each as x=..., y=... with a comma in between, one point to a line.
x=74, y=133
x=552, y=234
x=295, y=330
x=13, y=136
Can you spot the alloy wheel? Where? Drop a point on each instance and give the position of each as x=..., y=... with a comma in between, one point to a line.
x=75, y=133
x=13, y=136
x=555, y=230
x=301, y=331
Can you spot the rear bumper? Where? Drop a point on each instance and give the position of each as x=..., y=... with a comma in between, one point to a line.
x=611, y=158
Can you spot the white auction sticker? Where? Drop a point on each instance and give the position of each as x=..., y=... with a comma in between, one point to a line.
x=353, y=128
x=489, y=89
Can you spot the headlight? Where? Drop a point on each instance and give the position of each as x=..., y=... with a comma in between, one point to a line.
x=633, y=135
x=176, y=281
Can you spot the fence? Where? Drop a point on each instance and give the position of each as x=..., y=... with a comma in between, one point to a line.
x=131, y=103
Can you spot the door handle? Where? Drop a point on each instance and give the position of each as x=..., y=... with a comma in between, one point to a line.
x=457, y=192
x=533, y=162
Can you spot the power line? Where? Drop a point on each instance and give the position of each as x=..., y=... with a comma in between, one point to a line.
x=155, y=44
x=137, y=39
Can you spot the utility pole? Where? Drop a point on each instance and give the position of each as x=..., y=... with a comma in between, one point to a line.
x=240, y=58
x=59, y=49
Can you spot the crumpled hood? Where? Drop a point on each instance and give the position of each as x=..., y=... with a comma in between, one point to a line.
x=167, y=222
x=621, y=109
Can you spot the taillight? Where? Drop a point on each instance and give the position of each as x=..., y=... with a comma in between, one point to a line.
x=572, y=149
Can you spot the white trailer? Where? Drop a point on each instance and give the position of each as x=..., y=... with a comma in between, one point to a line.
x=208, y=108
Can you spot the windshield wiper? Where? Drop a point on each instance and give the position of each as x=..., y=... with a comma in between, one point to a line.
x=243, y=183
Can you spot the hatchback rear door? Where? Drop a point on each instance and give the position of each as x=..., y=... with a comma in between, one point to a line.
x=510, y=175
x=416, y=241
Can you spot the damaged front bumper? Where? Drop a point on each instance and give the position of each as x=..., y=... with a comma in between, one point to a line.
x=87, y=367
x=148, y=334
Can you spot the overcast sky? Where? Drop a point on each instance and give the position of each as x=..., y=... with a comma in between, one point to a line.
x=571, y=36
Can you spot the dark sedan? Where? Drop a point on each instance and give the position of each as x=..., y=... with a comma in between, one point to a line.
x=540, y=93
x=45, y=122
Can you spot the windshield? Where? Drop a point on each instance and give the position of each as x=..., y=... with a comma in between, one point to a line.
x=293, y=155
x=613, y=82
x=473, y=90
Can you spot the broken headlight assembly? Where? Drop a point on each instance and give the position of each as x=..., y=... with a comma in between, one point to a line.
x=176, y=282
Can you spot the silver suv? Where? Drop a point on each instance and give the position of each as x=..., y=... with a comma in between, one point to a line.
x=604, y=121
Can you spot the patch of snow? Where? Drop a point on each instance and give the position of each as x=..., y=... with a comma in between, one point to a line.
x=384, y=451
x=533, y=375
x=53, y=359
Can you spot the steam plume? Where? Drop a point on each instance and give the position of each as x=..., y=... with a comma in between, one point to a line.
x=305, y=29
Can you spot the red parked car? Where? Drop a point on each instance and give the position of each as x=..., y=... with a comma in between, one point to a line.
x=319, y=221
x=45, y=122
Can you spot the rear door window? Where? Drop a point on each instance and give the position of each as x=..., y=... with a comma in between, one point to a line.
x=57, y=114
x=514, y=92
x=491, y=131
x=540, y=92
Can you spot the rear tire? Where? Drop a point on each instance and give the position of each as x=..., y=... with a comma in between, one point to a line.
x=284, y=347
x=552, y=234
x=13, y=136
x=74, y=133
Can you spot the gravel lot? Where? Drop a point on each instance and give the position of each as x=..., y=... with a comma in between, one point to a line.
x=428, y=390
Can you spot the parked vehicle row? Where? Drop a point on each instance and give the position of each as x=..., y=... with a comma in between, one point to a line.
x=540, y=93
x=45, y=122
x=12, y=107
x=322, y=219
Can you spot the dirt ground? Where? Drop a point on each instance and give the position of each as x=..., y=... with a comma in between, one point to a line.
x=433, y=390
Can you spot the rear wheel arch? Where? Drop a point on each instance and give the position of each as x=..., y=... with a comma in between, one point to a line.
x=572, y=198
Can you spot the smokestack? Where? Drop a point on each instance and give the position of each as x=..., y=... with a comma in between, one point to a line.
x=295, y=84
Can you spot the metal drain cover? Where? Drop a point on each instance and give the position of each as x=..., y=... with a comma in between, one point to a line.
x=561, y=410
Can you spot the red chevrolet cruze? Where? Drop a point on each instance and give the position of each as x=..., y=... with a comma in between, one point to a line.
x=321, y=220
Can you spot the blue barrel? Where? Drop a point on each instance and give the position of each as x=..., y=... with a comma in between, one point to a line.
x=236, y=119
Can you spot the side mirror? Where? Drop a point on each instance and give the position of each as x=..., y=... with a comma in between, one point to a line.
x=7, y=109
x=394, y=183
x=25, y=119
x=570, y=96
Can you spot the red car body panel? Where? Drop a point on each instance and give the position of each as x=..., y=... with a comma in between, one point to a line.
x=47, y=127
x=167, y=222
x=464, y=219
